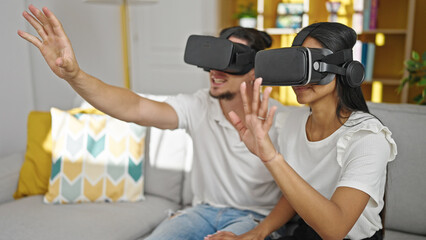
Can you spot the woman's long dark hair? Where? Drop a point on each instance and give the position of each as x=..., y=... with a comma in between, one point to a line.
x=336, y=37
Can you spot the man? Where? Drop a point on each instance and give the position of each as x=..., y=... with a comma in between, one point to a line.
x=232, y=189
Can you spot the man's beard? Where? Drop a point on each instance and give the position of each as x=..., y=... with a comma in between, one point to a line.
x=224, y=96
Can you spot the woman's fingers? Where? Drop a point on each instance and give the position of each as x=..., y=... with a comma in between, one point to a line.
x=256, y=93
x=270, y=117
x=243, y=90
x=263, y=109
x=41, y=18
x=238, y=124
x=257, y=109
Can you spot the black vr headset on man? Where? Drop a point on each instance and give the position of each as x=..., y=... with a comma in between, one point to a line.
x=212, y=53
x=300, y=65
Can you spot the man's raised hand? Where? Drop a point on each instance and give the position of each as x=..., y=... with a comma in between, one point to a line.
x=53, y=43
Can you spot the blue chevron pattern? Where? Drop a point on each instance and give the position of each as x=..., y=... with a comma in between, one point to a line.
x=95, y=168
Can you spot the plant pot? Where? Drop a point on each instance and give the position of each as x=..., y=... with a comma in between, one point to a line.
x=247, y=22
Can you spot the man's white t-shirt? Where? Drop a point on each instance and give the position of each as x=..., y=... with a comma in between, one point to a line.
x=224, y=172
x=354, y=156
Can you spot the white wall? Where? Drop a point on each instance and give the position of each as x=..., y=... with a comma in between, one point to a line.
x=94, y=31
x=26, y=82
x=159, y=36
x=16, y=96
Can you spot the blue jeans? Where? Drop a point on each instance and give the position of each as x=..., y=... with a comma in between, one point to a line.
x=202, y=220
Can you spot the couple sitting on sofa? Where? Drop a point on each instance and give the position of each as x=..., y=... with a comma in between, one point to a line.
x=252, y=172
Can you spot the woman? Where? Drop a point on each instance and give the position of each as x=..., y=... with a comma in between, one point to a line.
x=331, y=160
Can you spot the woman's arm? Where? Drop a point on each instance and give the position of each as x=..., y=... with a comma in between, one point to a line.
x=279, y=216
x=118, y=102
x=331, y=219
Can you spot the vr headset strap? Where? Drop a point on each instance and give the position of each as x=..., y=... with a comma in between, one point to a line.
x=300, y=37
x=227, y=33
x=339, y=57
x=330, y=63
x=329, y=68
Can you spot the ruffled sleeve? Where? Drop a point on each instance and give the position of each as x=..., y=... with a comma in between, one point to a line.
x=370, y=125
x=363, y=152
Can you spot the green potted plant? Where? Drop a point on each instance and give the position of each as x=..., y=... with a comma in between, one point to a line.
x=416, y=68
x=247, y=15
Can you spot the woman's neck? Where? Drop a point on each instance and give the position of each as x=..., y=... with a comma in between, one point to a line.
x=324, y=121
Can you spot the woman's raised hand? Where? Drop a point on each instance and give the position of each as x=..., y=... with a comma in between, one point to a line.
x=53, y=43
x=254, y=130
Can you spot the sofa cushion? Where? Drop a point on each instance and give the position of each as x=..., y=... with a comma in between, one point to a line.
x=95, y=158
x=9, y=174
x=406, y=188
x=30, y=218
x=35, y=171
x=169, y=157
x=394, y=235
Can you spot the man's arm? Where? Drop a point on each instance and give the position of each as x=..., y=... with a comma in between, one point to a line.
x=117, y=102
x=124, y=104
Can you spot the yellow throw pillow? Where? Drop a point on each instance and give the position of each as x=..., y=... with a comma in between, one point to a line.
x=35, y=171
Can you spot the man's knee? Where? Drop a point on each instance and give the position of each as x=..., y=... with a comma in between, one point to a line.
x=182, y=224
x=176, y=214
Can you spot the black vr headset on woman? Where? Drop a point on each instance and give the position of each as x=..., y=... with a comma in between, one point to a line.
x=278, y=67
x=300, y=65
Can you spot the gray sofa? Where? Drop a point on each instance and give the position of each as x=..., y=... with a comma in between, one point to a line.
x=167, y=189
x=30, y=218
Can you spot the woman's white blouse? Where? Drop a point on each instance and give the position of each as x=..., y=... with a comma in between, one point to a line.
x=356, y=156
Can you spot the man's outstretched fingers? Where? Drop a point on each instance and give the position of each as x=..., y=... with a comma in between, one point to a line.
x=36, y=24
x=41, y=18
x=54, y=22
x=30, y=38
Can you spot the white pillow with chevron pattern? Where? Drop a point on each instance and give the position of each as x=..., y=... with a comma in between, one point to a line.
x=95, y=158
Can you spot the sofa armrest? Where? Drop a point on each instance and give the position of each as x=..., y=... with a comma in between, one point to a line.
x=9, y=175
